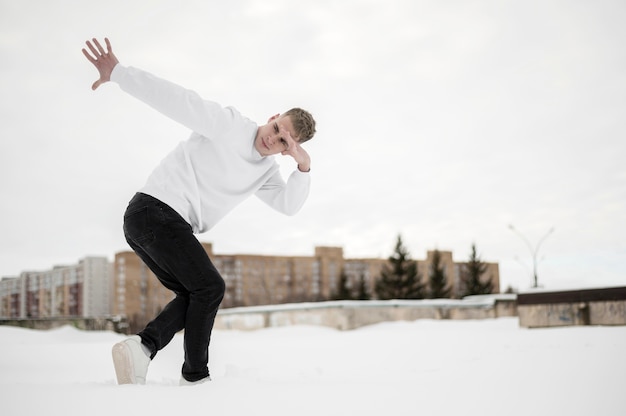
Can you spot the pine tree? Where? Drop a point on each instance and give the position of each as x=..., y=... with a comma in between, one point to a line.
x=362, y=292
x=471, y=273
x=343, y=291
x=437, y=278
x=399, y=278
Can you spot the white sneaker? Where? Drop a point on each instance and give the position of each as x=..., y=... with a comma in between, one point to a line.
x=130, y=361
x=184, y=382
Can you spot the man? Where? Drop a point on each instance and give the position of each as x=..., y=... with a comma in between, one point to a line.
x=226, y=159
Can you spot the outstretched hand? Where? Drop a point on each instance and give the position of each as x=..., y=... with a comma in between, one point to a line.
x=103, y=61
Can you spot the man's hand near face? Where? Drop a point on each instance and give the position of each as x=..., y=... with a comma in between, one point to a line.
x=295, y=151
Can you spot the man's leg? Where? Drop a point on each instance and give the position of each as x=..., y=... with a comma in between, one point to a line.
x=181, y=264
x=160, y=331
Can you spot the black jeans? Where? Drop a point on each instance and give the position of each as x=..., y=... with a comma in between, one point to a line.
x=166, y=244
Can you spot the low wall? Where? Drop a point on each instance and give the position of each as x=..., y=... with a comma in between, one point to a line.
x=117, y=324
x=605, y=306
x=345, y=315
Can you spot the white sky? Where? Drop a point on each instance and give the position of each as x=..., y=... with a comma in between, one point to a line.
x=442, y=121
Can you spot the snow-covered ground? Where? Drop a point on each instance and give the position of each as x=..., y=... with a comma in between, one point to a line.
x=489, y=367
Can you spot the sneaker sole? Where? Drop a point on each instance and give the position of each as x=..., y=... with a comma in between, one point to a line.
x=123, y=366
x=185, y=383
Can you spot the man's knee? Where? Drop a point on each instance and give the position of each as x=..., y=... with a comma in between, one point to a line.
x=213, y=289
x=220, y=287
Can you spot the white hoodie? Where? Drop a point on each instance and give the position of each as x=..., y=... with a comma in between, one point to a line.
x=218, y=167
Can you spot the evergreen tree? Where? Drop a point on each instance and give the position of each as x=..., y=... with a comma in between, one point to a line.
x=510, y=290
x=343, y=291
x=437, y=278
x=399, y=277
x=362, y=292
x=471, y=273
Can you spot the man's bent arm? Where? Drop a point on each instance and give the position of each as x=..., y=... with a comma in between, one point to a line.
x=289, y=197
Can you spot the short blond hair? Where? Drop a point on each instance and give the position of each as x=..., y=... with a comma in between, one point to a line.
x=303, y=123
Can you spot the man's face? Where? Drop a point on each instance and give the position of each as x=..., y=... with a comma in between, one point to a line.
x=275, y=137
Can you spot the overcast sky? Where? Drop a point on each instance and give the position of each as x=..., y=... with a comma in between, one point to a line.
x=442, y=121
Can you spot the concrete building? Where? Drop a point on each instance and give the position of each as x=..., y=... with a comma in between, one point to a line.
x=81, y=290
x=95, y=288
x=137, y=293
x=12, y=296
x=263, y=280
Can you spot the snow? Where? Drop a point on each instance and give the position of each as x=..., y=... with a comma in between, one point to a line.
x=426, y=367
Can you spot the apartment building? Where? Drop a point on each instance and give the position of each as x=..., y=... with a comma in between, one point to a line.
x=137, y=293
x=96, y=288
x=260, y=279
x=12, y=295
x=80, y=290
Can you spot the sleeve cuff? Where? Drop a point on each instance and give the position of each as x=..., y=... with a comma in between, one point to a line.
x=116, y=74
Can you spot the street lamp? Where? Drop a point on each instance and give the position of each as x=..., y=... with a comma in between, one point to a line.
x=533, y=251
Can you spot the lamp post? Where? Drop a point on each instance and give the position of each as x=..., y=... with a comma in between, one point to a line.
x=533, y=251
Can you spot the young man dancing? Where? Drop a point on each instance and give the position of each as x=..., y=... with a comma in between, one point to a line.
x=226, y=159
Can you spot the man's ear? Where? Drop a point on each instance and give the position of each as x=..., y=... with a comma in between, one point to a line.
x=274, y=117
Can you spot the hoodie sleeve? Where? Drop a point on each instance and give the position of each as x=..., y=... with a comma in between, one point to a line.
x=287, y=198
x=184, y=106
